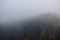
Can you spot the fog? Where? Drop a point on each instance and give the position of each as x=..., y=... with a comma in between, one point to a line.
x=14, y=10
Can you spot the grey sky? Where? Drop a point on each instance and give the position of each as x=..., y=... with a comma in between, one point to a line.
x=21, y=9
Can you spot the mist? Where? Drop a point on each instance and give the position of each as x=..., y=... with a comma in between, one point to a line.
x=14, y=10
